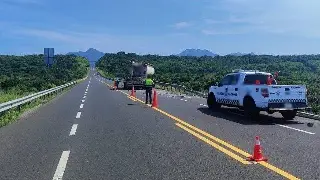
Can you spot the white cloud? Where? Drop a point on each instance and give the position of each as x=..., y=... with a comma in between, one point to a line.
x=181, y=25
x=293, y=17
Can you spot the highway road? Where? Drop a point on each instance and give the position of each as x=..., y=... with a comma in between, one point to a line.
x=92, y=132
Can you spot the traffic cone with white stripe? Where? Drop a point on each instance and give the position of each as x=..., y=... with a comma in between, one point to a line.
x=257, y=152
x=155, y=99
x=133, y=94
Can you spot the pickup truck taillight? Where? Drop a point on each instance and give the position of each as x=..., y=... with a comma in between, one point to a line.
x=265, y=92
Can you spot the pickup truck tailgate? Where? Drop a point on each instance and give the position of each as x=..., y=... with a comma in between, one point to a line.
x=287, y=96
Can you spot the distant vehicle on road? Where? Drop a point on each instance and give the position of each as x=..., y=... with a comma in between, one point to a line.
x=138, y=74
x=254, y=91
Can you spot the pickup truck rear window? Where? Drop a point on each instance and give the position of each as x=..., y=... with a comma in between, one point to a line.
x=252, y=78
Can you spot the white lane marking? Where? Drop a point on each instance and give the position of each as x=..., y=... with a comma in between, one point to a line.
x=181, y=99
x=73, y=130
x=78, y=115
x=83, y=100
x=84, y=97
x=61, y=165
x=296, y=129
x=81, y=106
x=185, y=100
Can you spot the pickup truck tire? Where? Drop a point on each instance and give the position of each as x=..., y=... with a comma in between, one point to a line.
x=289, y=115
x=212, y=103
x=250, y=109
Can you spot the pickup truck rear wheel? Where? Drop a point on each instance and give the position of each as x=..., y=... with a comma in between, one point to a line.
x=212, y=103
x=289, y=115
x=250, y=109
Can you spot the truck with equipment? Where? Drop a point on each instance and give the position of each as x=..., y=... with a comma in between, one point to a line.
x=138, y=75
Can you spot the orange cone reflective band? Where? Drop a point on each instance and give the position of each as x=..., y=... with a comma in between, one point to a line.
x=155, y=99
x=257, y=152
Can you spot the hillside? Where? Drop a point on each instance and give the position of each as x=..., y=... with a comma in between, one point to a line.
x=199, y=73
x=21, y=75
x=91, y=54
x=196, y=53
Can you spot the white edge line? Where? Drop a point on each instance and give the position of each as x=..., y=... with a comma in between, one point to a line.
x=78, y=115
x=84, y=97
x=73, y=130
x=83, y=100
x=81, y=106
x=61, y=165
x=296, y=129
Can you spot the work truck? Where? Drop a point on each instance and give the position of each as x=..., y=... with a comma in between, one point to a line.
x=138, y=75
x=254, y=91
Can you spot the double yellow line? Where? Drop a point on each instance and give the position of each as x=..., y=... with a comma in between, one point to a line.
x=214, y=142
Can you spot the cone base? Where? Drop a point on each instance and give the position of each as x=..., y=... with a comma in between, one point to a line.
x=258, y=159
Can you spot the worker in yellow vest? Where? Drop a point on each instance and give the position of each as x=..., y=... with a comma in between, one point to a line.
x=149, y=84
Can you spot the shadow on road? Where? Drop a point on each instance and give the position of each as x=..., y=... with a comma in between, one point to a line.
x=235, y=115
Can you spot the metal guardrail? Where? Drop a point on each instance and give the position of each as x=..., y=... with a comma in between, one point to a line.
x=20, y=101
x=183, y=89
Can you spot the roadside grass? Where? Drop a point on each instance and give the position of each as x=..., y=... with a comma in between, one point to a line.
x=14, y=114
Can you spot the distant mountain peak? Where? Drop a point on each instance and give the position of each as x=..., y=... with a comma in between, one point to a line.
x=92, y=50
x=91, y=54
x=197, y=52
x=240, y=54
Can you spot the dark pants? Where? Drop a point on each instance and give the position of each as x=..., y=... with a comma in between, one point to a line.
x=149, y=95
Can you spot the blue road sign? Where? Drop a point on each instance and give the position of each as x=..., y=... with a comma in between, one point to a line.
x=48, y=56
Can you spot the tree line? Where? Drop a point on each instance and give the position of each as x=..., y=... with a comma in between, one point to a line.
x=27, y=74
x=199, y=73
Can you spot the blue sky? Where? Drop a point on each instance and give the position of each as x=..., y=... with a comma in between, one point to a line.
x=160, y=27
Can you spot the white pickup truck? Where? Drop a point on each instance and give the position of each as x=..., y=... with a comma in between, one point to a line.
x=255, y=91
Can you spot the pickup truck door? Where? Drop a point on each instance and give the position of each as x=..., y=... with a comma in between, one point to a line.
x=233, y=90
x=222, y=90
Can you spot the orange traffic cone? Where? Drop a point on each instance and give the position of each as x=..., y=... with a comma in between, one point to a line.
x=155, y=99
x=133, y=94
x=257, y=152
x=114, y=85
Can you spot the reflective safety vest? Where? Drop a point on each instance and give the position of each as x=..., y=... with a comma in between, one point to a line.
x=149, y=82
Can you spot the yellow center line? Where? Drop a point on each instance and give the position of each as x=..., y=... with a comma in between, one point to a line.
x=132, y=98
x=265, y=164
x=205, y=133
x=277, y=170
x=220, y=148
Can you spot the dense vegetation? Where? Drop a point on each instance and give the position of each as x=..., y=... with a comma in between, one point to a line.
x=21, y=75
x=199, y=73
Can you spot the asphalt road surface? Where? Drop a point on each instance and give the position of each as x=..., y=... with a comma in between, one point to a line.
x=92, y=132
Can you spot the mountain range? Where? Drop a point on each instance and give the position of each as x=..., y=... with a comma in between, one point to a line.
x=94, y=55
